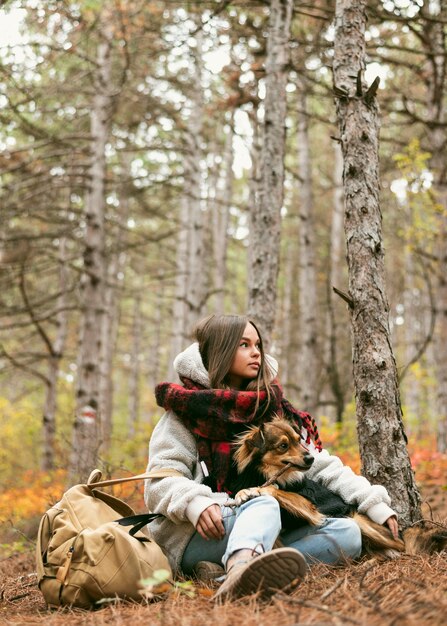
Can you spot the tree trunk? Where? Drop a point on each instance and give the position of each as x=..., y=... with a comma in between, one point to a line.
x=381, y=434
x=221, y=218
x=189, y=287
x=286, y=325
x=116, y=261
x=153, y=357
x=334, y=279
x=254, y=185
x=49, y=414
x=109, y=333
x=179, y=305
x=196, y=277
x=86, y=441
x=265, y=222
x=134, y=382
x=441, y=342
x=436, y=71
x=412, y=334
x=307, y=370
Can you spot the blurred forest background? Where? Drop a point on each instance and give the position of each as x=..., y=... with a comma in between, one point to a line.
x=130, y=152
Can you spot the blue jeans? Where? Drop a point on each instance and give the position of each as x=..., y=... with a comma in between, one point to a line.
x=256, y=525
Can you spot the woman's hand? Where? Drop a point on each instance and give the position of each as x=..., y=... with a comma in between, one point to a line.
x=391, y=522
x=210, y=525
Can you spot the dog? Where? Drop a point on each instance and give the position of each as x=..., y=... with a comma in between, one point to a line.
x=274, y=452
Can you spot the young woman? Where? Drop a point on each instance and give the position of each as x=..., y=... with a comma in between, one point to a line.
x=228, y=384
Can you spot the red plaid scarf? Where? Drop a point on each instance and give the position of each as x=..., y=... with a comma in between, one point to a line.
x=217, y=416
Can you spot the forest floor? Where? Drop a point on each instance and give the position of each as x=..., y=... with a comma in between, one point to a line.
x=407, y=591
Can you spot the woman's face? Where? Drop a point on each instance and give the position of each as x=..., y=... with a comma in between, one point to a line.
x=247, y=360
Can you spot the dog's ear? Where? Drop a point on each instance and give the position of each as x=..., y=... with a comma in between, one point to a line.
x=256, y=439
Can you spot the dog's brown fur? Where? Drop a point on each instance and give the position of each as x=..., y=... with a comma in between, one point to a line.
x=273, y=446
x=425, y=538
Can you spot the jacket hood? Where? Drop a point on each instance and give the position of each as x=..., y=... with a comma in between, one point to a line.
x=190, y=365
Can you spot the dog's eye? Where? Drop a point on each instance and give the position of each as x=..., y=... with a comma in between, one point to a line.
x=283, y=446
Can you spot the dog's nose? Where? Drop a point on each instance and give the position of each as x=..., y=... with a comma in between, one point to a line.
x=308, y=459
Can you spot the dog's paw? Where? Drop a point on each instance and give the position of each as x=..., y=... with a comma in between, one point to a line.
x=244, y=495
x=315, y=518
x=311, y=514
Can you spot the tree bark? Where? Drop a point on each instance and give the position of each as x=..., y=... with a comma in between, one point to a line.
x=195, y=295
x=436, y=71
x=265, y=215
x=307, y=369
x=221, y=218
x=134, y=381
x=116, y=260
x=49, y=414
x=180, y=287
x=153, y=357
x=411, y=332
x=286, y=323
x=86, y=440
x=381, y=433
x=109, y=333
x=189, y=286
x=334, y=280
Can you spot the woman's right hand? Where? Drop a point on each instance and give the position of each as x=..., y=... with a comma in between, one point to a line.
x=210, y=524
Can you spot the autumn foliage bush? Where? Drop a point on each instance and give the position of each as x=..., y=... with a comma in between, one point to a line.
x=429, y=465
x=40, y=490
x=33, y=492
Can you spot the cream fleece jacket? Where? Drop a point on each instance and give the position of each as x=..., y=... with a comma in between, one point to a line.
x=183, y=499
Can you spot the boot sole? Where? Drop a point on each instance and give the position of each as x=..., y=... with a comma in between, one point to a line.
x=266, y=574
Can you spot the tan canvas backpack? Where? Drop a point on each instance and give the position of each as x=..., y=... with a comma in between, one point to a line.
x=86, y=551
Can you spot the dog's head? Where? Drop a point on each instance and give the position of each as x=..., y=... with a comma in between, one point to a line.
x=272, y=446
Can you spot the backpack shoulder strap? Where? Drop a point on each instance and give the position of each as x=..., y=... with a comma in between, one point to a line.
x=95, y=476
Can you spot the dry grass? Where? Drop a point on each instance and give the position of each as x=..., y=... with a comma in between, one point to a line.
x=409, y=591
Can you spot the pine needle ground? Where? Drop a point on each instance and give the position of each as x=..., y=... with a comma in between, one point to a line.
x=408, y=591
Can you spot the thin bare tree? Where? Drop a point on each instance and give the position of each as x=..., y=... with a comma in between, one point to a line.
x=135, y=369
x=189, y=297
x=86, y=440
x=335, y=380
x=433, y=39
x=265, y=212
x=221, y=219
x=308, y=367
x=55, y=356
